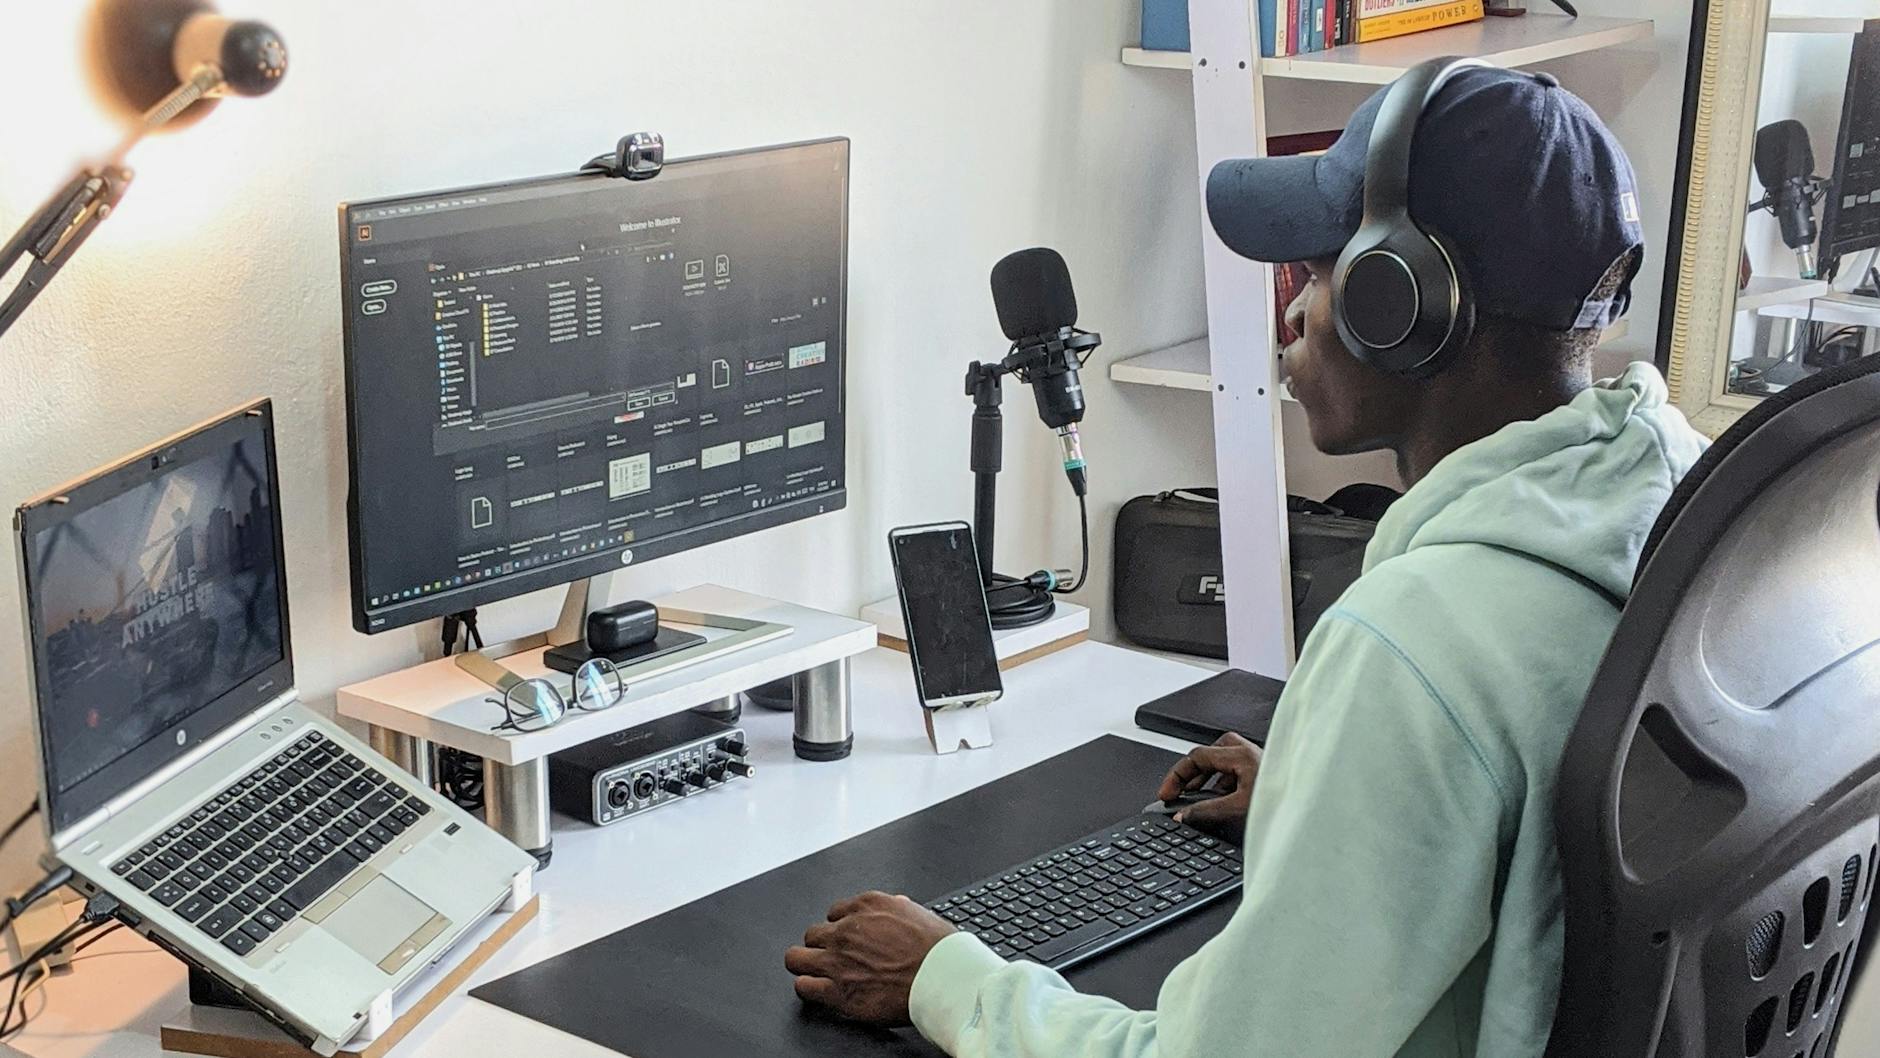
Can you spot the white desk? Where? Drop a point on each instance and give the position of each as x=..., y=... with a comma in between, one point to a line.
x=603, y=880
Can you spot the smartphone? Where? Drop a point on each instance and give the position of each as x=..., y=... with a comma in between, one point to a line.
x=943, y=607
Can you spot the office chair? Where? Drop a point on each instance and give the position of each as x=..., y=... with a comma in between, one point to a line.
x=1719, y=802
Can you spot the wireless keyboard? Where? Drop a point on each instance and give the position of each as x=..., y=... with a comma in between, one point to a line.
x=1096, y=893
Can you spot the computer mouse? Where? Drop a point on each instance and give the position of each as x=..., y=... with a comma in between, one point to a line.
x=1169, y=808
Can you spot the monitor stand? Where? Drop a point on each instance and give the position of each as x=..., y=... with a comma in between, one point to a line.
x=515, y=797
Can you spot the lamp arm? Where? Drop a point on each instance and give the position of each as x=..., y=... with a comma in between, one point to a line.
x=54, y=233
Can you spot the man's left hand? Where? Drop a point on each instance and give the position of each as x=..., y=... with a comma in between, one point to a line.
x=861, y=963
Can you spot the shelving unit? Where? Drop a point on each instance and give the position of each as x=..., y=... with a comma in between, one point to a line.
x=1186, y=366
x=1532, y=38
x=1765, y=291
x=1815, y=24
x=1235, y=366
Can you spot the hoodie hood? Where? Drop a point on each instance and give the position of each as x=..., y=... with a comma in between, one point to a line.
x=1577, y=488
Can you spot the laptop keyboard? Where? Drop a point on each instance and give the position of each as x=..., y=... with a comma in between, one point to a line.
x=1096, y=893
x=252, y=858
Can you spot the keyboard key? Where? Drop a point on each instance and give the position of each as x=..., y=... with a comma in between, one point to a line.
x=379, y=833
x=269, y=919
x=1212, y=877
x=283, y=910
x=382, y=802
x=320, y=882
x=1003, y=951
x=201, y=869
x=122, y=868
x=239, y=942
x=141, y=879
x=1071, y=940
x=193, y=907
x=167, y=893
x=418, y=805
x=1123, y=918
x=221, y=922
x=244, y=903
x=272, y=884
x=256, y=930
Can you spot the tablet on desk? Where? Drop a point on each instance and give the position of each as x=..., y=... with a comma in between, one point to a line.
x=1235, y=700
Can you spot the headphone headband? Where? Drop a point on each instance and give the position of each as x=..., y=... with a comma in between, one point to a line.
x=1387, y=170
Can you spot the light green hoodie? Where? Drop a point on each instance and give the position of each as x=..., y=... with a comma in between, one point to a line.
x=1403, y=891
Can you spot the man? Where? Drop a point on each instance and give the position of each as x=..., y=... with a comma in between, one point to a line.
x=1402, y=891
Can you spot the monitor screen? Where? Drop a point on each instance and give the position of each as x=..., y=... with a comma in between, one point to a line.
x=553, y=378
x=155, y=596
x=1851, y=217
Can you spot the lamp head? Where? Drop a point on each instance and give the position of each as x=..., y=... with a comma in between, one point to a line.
x=142, y=49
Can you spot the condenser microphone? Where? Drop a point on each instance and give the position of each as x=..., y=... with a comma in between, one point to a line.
x=1785, y=163
x=1031, y=290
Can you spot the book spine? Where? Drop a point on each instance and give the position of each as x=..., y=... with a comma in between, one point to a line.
x=1303, y=42
x=1377, y=8
x=1321, y=39
x=1404, y=23
x=1289, y=21
x=1330, y=24
x=1268, y=47
x=1350, y=34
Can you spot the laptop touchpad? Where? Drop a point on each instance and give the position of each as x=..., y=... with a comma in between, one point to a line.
x=385, y=924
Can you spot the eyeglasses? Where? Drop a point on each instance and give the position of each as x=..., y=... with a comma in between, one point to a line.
x=537, y=703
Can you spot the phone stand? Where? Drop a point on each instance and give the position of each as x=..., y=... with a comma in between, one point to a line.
x=961, y=727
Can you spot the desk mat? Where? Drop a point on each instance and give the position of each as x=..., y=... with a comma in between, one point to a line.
x=707, y=981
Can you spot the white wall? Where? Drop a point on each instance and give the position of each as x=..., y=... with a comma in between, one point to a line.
x=979, y=127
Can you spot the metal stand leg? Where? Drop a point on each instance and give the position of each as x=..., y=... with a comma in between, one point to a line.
x=407, y=751
x=725, y=710
x=825, y=729
x=515, y=802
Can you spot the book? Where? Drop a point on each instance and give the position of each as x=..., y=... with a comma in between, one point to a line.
x=1328, y=25
x=1320, y=41
x=1418, y=19
x=1268, y=29
x=1289, y=23
x=1376, y=8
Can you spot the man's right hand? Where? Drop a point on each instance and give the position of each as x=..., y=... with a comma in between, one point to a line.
x=1236, y=762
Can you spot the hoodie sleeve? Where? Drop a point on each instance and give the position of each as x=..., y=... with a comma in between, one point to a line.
x=1371, y=863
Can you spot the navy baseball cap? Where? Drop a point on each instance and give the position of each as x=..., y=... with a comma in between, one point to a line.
x=1527, y=184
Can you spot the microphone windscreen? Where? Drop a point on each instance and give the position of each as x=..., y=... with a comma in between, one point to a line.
x=1783, y=152
x=1032, y=291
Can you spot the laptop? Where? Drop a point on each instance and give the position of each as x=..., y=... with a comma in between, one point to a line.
x=248, y=835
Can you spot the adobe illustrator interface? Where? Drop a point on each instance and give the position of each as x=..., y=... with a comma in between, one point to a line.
x=544, y=372
x=154, y=604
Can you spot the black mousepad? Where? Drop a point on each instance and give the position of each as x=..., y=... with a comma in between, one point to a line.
x=707, y=980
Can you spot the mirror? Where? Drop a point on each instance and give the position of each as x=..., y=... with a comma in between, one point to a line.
x=1776, y=226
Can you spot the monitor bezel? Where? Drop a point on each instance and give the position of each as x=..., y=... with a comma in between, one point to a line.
x=1863, y=70
x=65, y=809
x=456, y=600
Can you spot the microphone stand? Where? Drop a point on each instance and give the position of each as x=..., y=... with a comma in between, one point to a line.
x=985, y=384
x=54, y=233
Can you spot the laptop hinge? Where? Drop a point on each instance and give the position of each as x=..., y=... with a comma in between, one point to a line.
x=73, y=833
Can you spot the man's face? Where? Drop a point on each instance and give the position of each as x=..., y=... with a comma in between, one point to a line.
x=1350, y=407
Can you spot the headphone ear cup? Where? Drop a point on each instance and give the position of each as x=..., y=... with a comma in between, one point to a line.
x=1449, y=334
x=1402, y=304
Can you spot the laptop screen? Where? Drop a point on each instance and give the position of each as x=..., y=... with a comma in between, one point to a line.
x=156, y=601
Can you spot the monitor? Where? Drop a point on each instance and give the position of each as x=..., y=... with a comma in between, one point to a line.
x=550, y=379
x=156, y=608
x=1851, y=219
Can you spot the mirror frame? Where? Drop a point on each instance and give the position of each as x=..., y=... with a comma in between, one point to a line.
x=1723, y=86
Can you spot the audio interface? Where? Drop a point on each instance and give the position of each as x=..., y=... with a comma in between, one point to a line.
x=646, y=766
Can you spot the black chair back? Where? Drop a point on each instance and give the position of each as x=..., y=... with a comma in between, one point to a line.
x=1719, y=806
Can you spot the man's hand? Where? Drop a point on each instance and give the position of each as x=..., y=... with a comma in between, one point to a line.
x=861, y=963
x=1236, y=762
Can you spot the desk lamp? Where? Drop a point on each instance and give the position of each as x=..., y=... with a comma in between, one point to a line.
x=168, y=62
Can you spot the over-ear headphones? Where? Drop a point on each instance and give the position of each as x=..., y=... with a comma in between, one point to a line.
x=1401, y=299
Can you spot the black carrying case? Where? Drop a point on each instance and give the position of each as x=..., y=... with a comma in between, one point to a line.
x=1167, y=587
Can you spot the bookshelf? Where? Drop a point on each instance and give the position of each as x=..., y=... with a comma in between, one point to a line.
x=1532, y=38
x=1233, y=363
